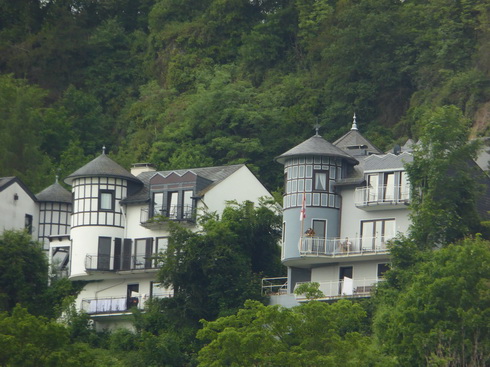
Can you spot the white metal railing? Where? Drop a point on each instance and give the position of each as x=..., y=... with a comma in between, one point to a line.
x=109, y=305
x=317, y=246
x=383, y=194
x=273, y=286
x=347, y=288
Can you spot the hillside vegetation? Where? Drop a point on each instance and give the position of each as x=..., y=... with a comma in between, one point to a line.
x=186, y=83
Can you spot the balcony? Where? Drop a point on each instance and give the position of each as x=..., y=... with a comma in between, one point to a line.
x=343, y=247
x=184, y=213
x=347, y=288
x=382, y=197
x=274, y=286
x=116, y=305
x=120, y=263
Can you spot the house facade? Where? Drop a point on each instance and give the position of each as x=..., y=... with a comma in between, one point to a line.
x=119, y=223
x=343, y=202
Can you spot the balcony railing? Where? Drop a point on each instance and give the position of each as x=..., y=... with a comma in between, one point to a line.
x=274, y=286
x=120, y=263
x=174, y=212
x=382, y=195
x=347, y=288
x=317, y=246
x=110, y=305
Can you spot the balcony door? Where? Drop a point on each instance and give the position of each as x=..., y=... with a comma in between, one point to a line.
x=173, y=205
x=132, y=298
x=389, y=187
x=320, y=229
x=372, y=192
x=375, y=233
x=346, y=285
x=104, y=253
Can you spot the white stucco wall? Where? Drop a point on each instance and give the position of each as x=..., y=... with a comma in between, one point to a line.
x=13, y=212
x=351, y=216
x=240, y=186
x=85, y=240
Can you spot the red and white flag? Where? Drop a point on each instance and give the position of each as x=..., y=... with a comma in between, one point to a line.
x=302, y=214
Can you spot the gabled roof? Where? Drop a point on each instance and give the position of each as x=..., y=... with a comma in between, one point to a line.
x=55, y=193
x=214, y=174
x=316, y=146
x=102, y=166
x=5, y=182
x=354, y=139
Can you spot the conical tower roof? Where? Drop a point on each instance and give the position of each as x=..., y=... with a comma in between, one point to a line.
x=55, y=193
x=102, y=166
x=316, y=146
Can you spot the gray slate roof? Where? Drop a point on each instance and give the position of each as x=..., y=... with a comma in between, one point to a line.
x=316, y=146
x=388, y=161
x=214, y=174
x=55, y=193
x=355, y=139
x=102, y=166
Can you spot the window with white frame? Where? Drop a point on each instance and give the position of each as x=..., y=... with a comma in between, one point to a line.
x=106, y=200
x=376, y=233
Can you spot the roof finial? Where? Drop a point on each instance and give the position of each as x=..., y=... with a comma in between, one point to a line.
x=317, y=127
x=103, y=150
x=56, y=180
x=354, y=123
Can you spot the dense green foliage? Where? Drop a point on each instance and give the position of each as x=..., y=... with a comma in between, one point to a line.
x=194, y=83
x=214, y=271
x=24, y=277
x=197, y=83
x=445, y=181
x=440, y=316
x=314, y=334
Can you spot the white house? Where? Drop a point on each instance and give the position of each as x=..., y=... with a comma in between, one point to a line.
x=18, y=206
x=114, y=233
x=343, y=202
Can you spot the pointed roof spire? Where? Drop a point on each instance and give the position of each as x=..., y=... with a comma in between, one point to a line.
x=103, y=149
x=354, y=122
x=317, y=127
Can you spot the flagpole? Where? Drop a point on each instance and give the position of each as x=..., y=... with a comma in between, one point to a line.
x=303, y=212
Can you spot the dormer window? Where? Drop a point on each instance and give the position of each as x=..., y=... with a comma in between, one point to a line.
x=173, y=196
x=106, y=200
x=384, y=188
x=176, y=205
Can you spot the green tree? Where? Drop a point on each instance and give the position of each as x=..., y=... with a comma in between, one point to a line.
x=21, y=120
x=444, y=180
x=440, y=315
x=29, y=341
x=23, y=272
x=214, y=271
x=313, y=334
